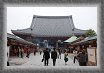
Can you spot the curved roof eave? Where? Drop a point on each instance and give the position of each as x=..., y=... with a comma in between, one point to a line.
x=76, y=30
x=18, y=39
x=28, y=32
x=22, y=31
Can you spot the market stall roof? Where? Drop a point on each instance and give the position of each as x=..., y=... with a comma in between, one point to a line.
x=73, y=38
x=86, y=40
x=89, y=39
x=78, y=39
x=11, y=36
x=50, y=26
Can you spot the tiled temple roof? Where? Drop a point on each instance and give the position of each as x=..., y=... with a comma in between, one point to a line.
x=51, y=26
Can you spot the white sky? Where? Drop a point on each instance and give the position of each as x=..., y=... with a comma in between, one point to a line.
x=21, y=17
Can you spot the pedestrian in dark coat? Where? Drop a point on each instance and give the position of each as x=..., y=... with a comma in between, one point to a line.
x=82, y=58
x=8, y=63
x=8, y=60
x=54, y=56
x=46, y=57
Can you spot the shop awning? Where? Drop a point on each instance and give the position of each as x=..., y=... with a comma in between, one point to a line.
x=18, y=39
x=73, y=38
x=86, y=40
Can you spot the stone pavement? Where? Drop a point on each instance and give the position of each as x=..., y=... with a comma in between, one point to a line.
x=17, y=61
x=36, y=61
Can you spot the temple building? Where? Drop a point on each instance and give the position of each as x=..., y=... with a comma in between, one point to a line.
x=48, y=30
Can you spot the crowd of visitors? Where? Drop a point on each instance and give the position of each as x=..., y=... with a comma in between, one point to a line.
x=80, y=56
x=56, y=53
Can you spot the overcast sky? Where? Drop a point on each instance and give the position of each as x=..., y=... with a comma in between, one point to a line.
x=21, y=17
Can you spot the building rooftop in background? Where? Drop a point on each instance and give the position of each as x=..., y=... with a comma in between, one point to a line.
x=50, y=26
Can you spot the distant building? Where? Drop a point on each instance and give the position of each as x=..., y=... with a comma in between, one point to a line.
x=50, y=28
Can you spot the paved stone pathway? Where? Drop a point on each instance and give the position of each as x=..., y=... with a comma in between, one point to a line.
x=36, y=61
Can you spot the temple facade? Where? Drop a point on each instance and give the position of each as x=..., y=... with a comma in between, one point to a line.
x=46, y=31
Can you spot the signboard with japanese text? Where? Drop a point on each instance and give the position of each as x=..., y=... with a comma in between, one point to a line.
x=91, y=54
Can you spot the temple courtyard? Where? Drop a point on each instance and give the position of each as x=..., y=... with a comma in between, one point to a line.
x=35, y=60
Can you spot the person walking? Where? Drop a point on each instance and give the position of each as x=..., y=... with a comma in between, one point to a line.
x=28, y=52
x=46, y=57
x=40, y=51
x=65, y=57
x=59, y=51
x=54, y=56
x=34, y=51
x=82, y=58
x=75, y=56
x=18, y=51
x=22, y=52
x=8, y=63
x=8, y=60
